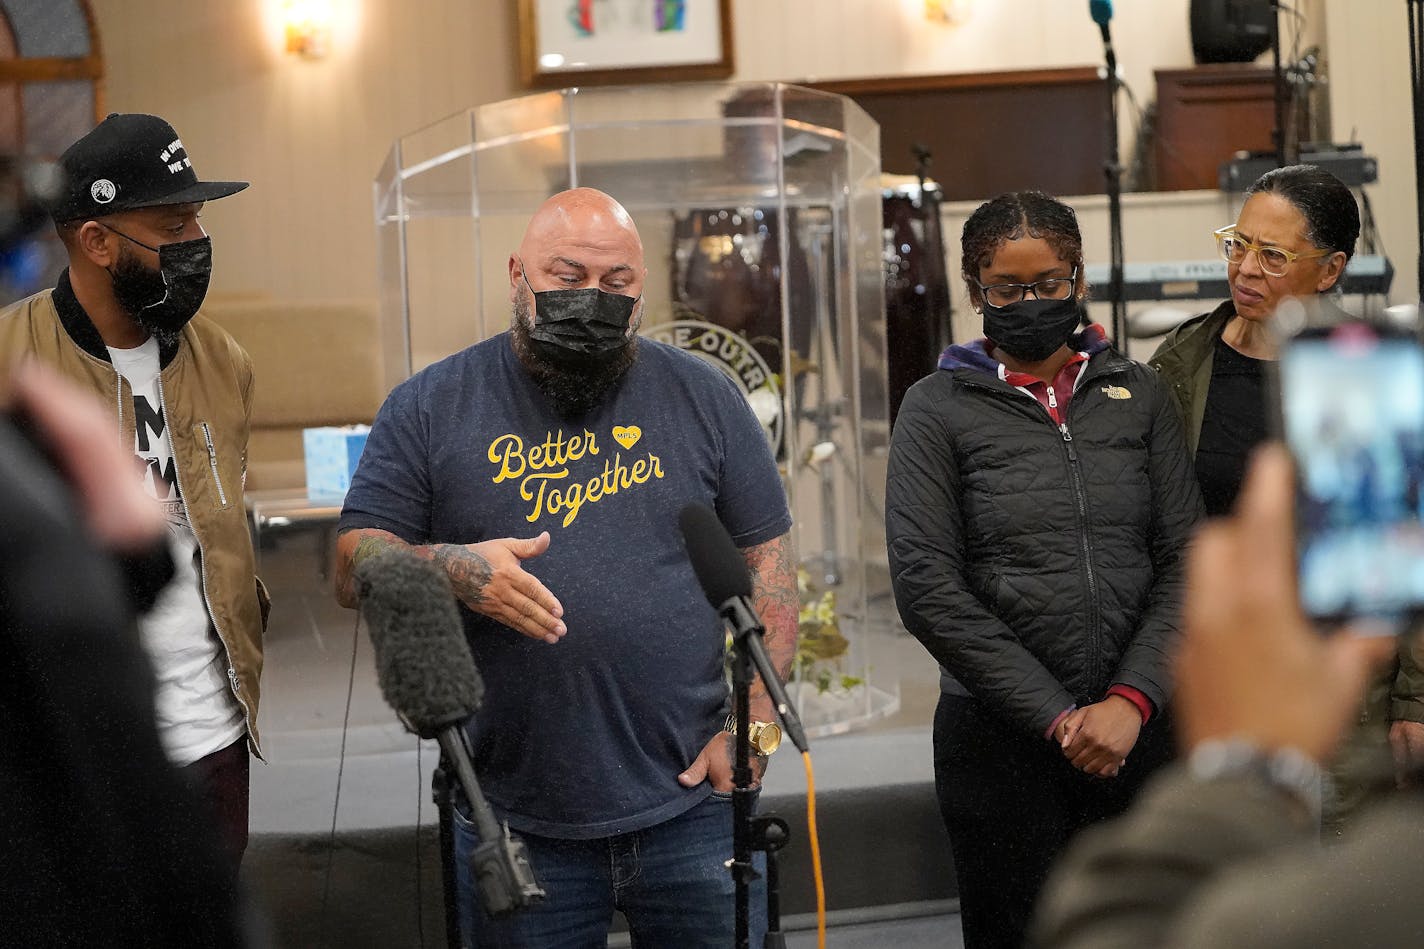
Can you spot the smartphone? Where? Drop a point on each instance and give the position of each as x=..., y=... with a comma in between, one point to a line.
x=1352, y=413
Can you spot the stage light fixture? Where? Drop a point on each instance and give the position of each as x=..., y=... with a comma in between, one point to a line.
x=307, y=27
x=951, y=12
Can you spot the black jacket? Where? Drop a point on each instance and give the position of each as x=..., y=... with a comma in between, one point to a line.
x=1040, y=566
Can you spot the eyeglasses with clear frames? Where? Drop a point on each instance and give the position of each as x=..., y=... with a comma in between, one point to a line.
x=1274, y=261
x=1050, y=288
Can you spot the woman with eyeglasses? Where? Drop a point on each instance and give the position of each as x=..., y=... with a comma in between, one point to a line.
x=1292, y=239
x=1038, y=504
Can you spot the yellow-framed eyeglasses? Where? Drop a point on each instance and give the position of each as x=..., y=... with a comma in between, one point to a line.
x=1274, y=261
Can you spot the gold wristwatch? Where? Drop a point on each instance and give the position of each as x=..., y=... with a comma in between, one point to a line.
x=765, y=736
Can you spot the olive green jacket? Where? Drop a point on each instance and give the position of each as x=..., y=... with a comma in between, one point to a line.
x=1184, y=359
x=206, y=386
x=1234, y=862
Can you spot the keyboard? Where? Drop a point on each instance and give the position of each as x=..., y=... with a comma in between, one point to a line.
x=1206, y=279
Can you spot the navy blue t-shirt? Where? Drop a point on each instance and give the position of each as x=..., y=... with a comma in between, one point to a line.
x=583, y=738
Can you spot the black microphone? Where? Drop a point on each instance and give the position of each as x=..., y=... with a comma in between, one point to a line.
x=1101, y=12
x=428, y=676
x=722, y=572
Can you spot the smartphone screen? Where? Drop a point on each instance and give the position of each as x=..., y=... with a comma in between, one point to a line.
x=1352, y=408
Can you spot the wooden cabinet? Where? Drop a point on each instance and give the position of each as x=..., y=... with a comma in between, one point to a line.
x=991, y=132
x=1207, y=114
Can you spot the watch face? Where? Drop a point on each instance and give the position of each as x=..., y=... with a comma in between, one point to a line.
x=766, y=737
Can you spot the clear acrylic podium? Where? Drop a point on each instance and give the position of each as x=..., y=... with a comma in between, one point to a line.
x=759, y=207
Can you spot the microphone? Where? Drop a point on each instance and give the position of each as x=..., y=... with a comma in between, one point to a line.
x=428, y=676
x=1101, y=12
x=722, y=573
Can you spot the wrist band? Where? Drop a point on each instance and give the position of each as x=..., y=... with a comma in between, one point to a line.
x=1286, y=769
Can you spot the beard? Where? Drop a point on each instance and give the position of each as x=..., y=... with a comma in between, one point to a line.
x=136, y=289
x=574, y=382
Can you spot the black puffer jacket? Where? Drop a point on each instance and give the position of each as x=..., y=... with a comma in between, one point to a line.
x=1041, y=566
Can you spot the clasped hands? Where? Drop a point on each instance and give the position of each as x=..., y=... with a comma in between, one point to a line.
x=1097, y=738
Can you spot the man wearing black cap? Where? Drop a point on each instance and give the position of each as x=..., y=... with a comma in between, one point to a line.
x=121, y=321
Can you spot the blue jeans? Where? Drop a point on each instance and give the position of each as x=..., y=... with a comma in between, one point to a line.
x=670, y=881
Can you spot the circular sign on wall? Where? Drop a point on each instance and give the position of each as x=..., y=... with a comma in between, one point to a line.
x=738, y=360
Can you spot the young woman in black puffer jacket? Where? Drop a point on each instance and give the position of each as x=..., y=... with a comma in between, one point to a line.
x=1039, y=504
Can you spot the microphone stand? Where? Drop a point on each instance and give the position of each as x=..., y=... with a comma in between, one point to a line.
x=743, y=872
x=750, y=833
x=1416, y=89
x=503, y=878
x=1278, y=134
x=1112, y=172
x=444, y=795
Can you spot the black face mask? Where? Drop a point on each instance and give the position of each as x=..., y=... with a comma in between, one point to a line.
x=163, y=301
x=1032, y=330
x=589, y=322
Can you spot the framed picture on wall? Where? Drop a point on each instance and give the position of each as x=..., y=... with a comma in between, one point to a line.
x=594, y=42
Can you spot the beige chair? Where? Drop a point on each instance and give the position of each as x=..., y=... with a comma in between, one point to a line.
x=314, y=364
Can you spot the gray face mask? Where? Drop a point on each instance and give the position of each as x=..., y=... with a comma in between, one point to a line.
x=163, y=301
x=588, y=322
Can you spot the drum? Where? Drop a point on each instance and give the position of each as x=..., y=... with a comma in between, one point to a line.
x=917, y=307
x=727, y=267
x=726, y=275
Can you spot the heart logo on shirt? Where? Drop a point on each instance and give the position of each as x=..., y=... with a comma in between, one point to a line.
x=627, y=435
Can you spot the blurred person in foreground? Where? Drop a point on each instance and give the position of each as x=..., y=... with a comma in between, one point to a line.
x=122, y=322
x=1222, y=849
x=104, y=842
x=1292, y=240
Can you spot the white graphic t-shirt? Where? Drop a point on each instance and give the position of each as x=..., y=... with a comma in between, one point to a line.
x=197, y=713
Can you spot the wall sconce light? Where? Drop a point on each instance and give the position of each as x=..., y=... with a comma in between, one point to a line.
x=307, y=27
x=951, y=12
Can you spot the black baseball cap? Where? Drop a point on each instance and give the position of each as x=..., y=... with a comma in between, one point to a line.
x=130, y=160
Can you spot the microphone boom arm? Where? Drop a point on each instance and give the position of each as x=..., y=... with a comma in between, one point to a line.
x=453, y=741
x=503, y=874
x=747, y=630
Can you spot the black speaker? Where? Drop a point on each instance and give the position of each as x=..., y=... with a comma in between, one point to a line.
x=1231, y=31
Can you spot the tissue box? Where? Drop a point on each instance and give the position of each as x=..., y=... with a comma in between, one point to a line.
x=331, y=457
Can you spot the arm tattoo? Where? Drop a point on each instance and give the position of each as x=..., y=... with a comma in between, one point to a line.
x=368, y=547
x=773, y=567
x=469, y=573
x=368, y=543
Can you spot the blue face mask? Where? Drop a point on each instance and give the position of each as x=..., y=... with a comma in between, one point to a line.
x=589, y=322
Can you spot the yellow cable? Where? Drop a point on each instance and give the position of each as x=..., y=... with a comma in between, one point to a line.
x=815, y=852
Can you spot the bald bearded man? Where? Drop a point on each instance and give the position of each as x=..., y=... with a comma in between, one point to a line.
x=544, y=469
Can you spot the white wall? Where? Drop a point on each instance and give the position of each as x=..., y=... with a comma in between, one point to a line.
x=842, y=39
x=1369, y=98
x=311, y=135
